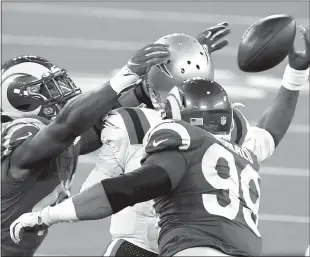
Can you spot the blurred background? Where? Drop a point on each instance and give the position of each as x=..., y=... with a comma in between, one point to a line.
x=91, y=40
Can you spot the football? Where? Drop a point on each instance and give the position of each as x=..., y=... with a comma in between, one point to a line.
x=266, y=43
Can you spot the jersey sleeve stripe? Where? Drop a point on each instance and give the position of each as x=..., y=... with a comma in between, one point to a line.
x=144, y=121
x=129, y=125
x=137, y=124
x=241, y=127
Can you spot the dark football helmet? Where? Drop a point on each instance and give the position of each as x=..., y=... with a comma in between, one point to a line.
x=33, y=85
x=189, y=59
x=202, y=103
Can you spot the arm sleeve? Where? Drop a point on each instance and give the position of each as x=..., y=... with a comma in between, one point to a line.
x=173, y=162
x=154, y=179
x=159, y=175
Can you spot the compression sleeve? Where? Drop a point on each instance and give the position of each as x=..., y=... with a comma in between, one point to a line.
x=159, y=175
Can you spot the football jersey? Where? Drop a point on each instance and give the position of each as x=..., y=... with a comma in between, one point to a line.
x=31, y=190
x=216, y=198
x=121, y=152
x=257, y=140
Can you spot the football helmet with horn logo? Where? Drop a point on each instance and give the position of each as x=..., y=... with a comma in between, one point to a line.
x=33, y=85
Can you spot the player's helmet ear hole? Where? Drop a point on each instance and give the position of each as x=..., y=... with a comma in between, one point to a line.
x=201, y=53
x=188, y=62
x=168, y=61
x=182, y=70
x=198, y=67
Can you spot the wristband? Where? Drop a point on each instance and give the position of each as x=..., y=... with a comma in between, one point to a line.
x=294, y=79
x=62, y=212
x=123, y=79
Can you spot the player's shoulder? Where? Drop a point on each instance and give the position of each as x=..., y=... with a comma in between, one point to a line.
x=174, y=135
x=16, y=129
x=130, y=122
x=241, y=127
x=242, y=152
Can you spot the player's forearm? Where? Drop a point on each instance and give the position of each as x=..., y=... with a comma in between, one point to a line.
x=91, y=204
x=278, y=117
x=85, y=110
x=111, y=196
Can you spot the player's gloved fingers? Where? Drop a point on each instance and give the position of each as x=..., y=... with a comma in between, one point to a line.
x=224, y=23
x=156, y=61
x=16, y=232
x=220, y=34
x=158, y=54
x=204, y=35
x=12, y=230
x=218, y=45
x=150, y=46
x=155, y=50
x=216, y=28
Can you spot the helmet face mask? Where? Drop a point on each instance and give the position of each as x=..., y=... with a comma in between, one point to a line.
x=188, y=59
x=35, y=86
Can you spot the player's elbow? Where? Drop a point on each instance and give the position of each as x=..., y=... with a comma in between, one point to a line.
x=146, y=183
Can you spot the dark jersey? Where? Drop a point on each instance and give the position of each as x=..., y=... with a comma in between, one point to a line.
x=215, y=200
x=30, y=190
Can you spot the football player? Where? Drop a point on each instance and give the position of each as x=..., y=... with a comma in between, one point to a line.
x=231, y=169
x=192, y=175
x=40, y=143
x=131, y=127
x=122, y=150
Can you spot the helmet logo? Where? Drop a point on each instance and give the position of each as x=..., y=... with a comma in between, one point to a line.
x=223, y=120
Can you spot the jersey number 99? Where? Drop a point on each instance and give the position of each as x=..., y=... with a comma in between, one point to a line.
x=232, y=184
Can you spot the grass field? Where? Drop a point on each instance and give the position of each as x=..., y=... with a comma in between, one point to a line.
x=93, y=39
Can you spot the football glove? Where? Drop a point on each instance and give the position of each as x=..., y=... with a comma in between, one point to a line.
x=145, y=58
x=31, y=221
x=212, y=38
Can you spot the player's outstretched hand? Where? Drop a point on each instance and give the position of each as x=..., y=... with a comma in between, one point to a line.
x=212, y=38
x=146, y=57
x=300, y=60
x=27, y=221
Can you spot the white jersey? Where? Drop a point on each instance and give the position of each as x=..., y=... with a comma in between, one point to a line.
x=121, y=153
x=259, y=141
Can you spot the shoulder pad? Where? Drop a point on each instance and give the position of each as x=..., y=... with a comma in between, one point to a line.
x=167, y=135
x=135, y=121
x=240, y=129
x=16, y=131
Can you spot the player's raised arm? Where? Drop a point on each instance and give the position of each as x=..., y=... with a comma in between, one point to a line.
x=277, y=119
x=82, y=112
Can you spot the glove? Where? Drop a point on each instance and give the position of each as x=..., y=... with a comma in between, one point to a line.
x=210, y=39
x=145, y=58
x=138, y=66
x=301, y=60
x=31, y=221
